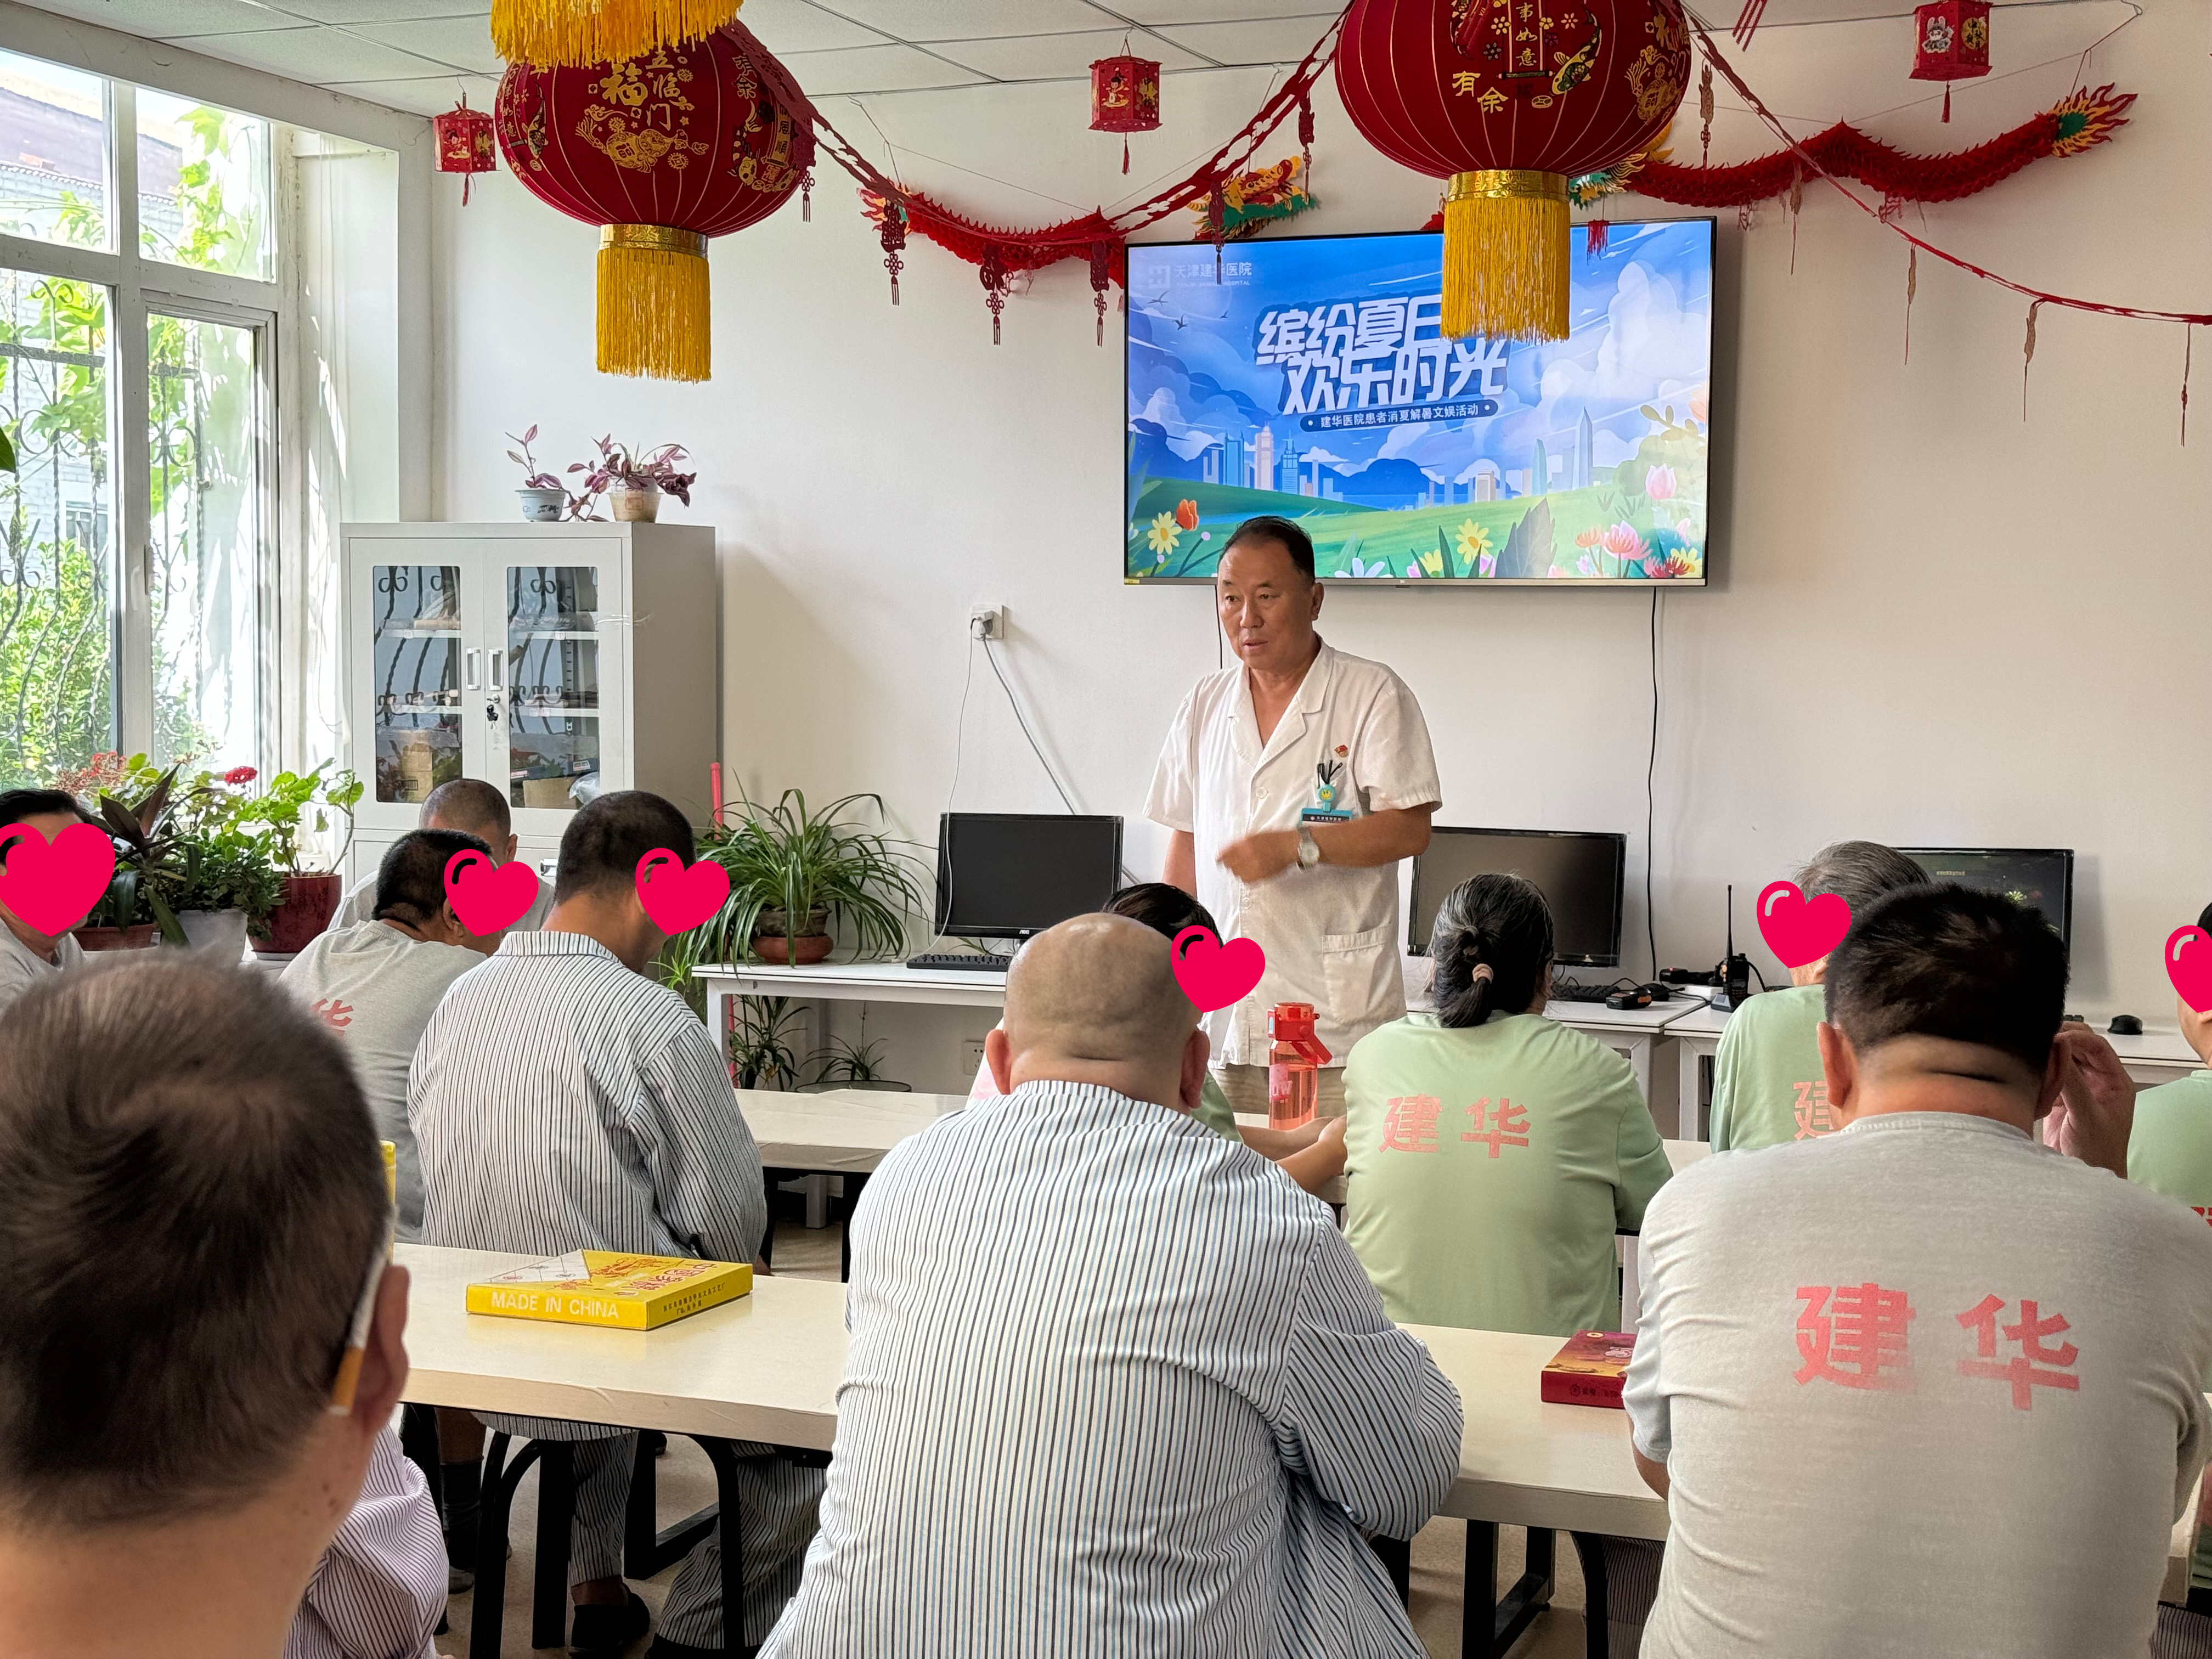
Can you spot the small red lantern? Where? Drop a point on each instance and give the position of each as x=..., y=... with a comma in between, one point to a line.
x=1124, y=98
x=464, y=143
x=1951, y=42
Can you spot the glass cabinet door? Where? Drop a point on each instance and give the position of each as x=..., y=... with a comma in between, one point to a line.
x=415, y=707
x=555, y=616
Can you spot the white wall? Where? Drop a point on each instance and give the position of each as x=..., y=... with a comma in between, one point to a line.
x=1933, y=624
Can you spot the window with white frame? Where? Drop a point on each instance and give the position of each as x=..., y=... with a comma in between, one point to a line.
x=146, y=278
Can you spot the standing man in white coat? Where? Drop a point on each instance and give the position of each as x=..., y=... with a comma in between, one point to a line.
x=1293, y=783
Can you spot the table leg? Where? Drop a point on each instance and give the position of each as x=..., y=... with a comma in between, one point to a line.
x=1513, y=1613
x=556, y=1513
x=1639, y=1061
x=718, y=1018
x=724, y=1457
x=1597, y=1625
x=500, y=1478
x=647, y=1547
x=1689, y=1095
x=854, y=1181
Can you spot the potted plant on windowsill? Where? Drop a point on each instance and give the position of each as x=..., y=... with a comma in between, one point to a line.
x=634, y=483
x=854, y=1065
x=148, y=861
x=275, y=820
x=230, y=887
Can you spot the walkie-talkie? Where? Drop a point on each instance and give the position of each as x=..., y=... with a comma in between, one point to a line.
x=1734, y=971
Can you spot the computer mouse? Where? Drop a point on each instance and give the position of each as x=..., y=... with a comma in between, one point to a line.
x=2125, y=1026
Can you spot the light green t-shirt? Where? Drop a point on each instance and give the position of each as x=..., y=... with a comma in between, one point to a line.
x=1767, y=1085
x=1488, y=1169
x=2169, y=1151
x=1213, y=1110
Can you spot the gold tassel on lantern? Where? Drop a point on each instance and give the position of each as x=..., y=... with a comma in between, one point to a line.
x=577, y=33
x=1505, y=255
x=653, y=315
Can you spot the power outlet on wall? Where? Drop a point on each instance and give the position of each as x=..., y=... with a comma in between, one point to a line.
x=987, y=621
x=971, y=1057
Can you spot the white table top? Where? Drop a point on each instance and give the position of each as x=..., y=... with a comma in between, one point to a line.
x=763, y=1367
x=846, y=1130
x=860, y=981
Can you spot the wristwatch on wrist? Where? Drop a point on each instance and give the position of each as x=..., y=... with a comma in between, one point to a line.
x=1309, y=849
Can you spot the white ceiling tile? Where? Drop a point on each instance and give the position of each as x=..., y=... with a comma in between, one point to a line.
x=875, y=69
x=972, y=19
x=156, y=19
x=1229, y=11
x=316, y=56
x=786, y=26
x=463, y=42
x=1059, y=56
x=382, y=11
x=431, y=97
x=1271, y=40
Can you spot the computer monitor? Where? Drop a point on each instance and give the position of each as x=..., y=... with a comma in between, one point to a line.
x=2041, y=876
x=1007, y=875
x=1579, y=874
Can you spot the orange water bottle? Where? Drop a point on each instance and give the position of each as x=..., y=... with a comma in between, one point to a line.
x=1295, y=1056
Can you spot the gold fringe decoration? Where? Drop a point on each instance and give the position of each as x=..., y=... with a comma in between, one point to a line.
x=547, y=33
x=653, y=314
x=1505, y=255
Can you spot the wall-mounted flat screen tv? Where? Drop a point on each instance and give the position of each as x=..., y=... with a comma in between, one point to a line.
x=1314, y=381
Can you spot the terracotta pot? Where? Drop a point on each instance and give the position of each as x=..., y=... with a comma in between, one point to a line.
x=805, y=948
x=635, y=504
x=308, y=904
x=116, y=939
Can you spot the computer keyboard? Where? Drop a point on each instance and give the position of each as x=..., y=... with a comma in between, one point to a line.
x=969, y=960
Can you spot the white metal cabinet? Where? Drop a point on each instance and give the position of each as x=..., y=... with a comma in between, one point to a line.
x=541, y=658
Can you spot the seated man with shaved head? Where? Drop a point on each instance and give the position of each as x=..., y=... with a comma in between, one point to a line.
x=1141, y=1400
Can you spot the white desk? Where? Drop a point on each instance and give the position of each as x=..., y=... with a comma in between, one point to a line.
x=763, y=1367
x=2154, y=1057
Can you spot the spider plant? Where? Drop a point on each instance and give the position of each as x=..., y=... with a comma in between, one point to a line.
x=759, y=1041
x=789, y=861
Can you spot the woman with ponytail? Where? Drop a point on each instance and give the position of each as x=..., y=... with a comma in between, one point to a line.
x=1493, y=1153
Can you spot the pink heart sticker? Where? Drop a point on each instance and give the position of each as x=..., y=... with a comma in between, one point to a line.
x=1800, y=930
x=493, y=899
x=2190, y=970
x=677, y=898
x=1213, y=975
x=52, y=886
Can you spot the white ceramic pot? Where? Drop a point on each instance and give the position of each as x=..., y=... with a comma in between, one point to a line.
x=215, y=932
x=635, y=504
x=542, y=506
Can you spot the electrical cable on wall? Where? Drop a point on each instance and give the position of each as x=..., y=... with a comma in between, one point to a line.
x=1022, y=718
x=960, y=732
x=1650, y=765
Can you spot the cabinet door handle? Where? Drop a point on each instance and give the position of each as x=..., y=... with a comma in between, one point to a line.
x=472, y=656
x=496, y=654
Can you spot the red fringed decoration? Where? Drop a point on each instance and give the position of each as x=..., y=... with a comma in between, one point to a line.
x=1102, y=273
x=1746, y=21
x=1594, y=236
x=2076, y=123
x=1305, y=135
x=464, y=139
x=993, y=275
x=1124, y=98
x=1706, y=114
x=1911, y=286
x=1796, y=200
x=2188, y=342
x=2027, y=355
x=1217, y=225
x=1951, y=42
x=806, y=196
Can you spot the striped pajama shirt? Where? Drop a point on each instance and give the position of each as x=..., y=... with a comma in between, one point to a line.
x=1115, y=1387
x=379, y=1588
x=561, y=1102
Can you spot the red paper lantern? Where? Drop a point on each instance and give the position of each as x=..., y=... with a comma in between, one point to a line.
x=465, y=144
x=1951, y=42
x=1124, y=98
x=661, y=152
x=1509, y=99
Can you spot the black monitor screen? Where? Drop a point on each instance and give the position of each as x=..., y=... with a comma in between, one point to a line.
x=1005, y=875
x=2041, y=877
x=1579, y=875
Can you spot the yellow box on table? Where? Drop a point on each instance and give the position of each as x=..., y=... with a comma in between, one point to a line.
x=613, y=1288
